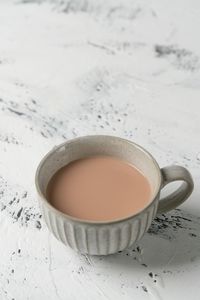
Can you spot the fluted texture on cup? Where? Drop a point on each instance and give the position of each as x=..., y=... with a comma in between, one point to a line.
x=99, y=239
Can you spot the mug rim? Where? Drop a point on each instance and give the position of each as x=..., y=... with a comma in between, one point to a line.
x=93, y=222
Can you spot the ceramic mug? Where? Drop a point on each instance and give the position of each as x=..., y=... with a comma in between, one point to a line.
x=99, y=237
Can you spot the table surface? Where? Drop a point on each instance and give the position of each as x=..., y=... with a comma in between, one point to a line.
x=72, y=68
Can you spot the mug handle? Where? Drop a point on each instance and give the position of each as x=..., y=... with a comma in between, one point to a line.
x=170, y=174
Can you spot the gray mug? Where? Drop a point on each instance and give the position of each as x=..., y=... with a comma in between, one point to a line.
x=99, y=237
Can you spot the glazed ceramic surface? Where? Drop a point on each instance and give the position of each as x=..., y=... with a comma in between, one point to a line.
x=102, y=238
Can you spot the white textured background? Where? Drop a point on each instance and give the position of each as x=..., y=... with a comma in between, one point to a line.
x=70, y=68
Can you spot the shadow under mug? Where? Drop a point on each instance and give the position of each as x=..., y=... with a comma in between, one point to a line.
x=100, y=237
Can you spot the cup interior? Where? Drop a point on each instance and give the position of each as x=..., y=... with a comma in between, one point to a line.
x=97, y=145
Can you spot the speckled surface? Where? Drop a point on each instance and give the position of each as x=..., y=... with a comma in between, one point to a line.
x=70, y=68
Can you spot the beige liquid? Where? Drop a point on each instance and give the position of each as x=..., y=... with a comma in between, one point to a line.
x=99, y=188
